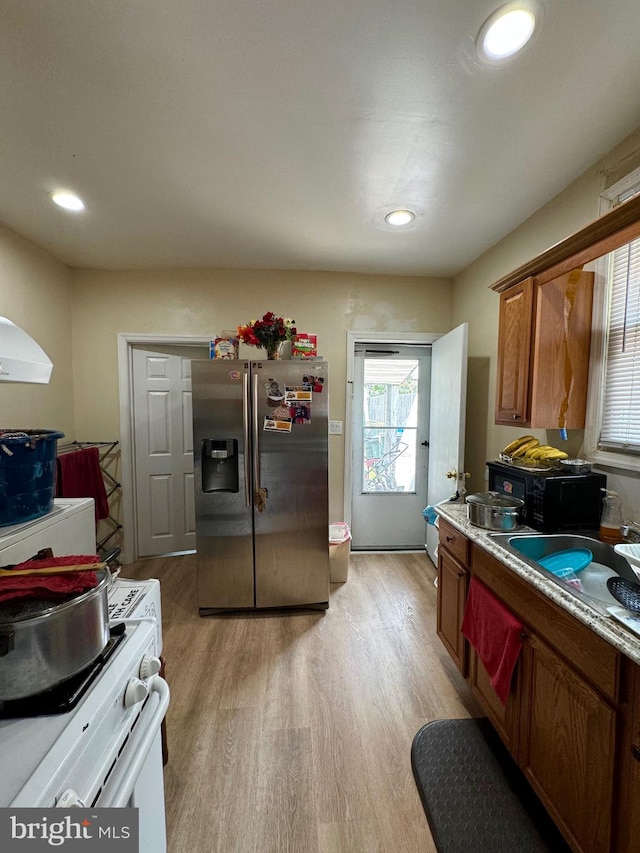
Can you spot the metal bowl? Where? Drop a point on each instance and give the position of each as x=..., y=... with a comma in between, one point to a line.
x=576, y=466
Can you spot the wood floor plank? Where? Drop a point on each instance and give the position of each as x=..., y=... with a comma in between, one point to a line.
x=211, y=783
x=286, y=812
x=292, y=732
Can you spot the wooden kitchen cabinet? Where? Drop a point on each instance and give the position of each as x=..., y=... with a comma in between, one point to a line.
x=505, y=719
x=514, y=353
x=572, y=719
x=627, y=800
x=567, y=746
x=453, y=582
x=562, y=734
x=544, y=340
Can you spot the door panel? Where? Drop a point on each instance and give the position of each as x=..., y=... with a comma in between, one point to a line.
x=163, y=449
x=567, y=747
x=224, y=518
x=448, y=411
x=292, y=531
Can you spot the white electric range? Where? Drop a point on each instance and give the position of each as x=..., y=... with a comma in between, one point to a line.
x=72, y=752
x=104, y=752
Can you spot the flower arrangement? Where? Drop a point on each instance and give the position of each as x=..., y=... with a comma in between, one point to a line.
x=268, y=333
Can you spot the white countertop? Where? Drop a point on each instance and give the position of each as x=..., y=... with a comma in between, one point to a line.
x=591, y=615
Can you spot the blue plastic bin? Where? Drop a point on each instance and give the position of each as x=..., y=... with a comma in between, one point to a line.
x=27, y=473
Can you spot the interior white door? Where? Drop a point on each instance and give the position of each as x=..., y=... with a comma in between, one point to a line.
x=448, y=419
x=163, y=448
x=390, y=447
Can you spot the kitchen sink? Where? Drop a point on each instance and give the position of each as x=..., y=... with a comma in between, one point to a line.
x=532, y=547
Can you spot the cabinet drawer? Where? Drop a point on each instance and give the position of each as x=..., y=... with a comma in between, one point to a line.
x=454, y=541
x=587, y=653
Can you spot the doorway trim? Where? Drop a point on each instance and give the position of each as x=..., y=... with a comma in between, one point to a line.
x=126, y=342
x=354, y=338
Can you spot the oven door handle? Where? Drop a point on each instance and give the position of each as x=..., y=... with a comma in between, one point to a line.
x=119, y=787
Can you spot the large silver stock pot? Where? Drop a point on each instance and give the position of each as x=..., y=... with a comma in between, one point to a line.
x=494, y=511
x=42, y=643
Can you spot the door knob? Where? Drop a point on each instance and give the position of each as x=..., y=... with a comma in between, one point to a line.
x=452, y=475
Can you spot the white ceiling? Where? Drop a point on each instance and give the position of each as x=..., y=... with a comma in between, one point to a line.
x=277, y=133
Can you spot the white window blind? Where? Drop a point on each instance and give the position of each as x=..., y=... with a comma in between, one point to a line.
x=621, y=410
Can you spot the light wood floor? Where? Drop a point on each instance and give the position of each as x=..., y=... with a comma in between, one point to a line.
x=293, y=732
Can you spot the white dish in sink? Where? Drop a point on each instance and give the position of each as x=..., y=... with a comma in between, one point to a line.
x=594, y=582
x=622, y=615
x=631, y=553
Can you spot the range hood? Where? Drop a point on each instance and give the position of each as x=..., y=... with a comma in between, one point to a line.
x=21, y=359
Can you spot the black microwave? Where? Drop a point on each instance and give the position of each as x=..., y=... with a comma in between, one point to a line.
x=553, y=500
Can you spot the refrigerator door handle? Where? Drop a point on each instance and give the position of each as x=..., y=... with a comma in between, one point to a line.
x=245, y=436
x=254, y=437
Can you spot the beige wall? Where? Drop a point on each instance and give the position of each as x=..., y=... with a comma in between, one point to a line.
x=76, y=315
x=204, y=302
x=476, y=304
x=35, y=293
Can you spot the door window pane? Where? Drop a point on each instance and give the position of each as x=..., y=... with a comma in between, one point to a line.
x=390, y=420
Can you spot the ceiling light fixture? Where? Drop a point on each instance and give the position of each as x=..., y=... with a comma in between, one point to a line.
x=507, y=30
x=399, y=217
x=69, y=201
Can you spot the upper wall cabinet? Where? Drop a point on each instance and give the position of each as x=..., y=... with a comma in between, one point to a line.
x=543, y=352
x=545, y=325
x=514, y=354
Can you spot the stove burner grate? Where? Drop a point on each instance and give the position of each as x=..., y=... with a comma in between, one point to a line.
x=65, y=696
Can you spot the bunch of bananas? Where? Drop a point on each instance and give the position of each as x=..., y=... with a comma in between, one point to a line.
x=529, y=448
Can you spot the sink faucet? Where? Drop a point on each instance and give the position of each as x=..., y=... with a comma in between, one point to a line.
x=630, y=532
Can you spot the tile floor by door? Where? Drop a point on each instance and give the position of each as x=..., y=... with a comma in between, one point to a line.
x=292, y=732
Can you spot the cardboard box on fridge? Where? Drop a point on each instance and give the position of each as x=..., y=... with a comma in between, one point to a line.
x=304, y=345
x=223, y=348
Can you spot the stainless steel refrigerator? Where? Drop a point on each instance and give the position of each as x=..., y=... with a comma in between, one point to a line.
x=260, y=444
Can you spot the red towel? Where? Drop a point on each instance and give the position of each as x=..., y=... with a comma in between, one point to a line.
x=495, y=634
x=79, y=476
x=49, y=586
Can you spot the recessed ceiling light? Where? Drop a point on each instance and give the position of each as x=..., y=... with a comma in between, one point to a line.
x=399, y=217
x=68, y=200
x=507, y=30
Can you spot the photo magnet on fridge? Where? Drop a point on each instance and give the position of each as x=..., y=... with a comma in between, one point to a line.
x=297, y=394
x=301, y=413
x=279, y=425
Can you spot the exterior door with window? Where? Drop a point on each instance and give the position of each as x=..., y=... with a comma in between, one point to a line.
x=390, y=448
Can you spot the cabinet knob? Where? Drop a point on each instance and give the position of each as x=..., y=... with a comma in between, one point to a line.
x=516, y=416
x=449, y=538
x=635, y=751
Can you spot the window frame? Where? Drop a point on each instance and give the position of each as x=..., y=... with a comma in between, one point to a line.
x=609, y=199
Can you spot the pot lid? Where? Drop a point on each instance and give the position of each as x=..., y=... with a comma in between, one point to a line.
x=494, y=499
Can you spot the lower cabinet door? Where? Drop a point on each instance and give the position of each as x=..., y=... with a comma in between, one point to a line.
x=503, y=718
x=452, y=595
x=567, y=747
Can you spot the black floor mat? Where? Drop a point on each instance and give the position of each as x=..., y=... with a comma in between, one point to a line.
x=474, y=795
